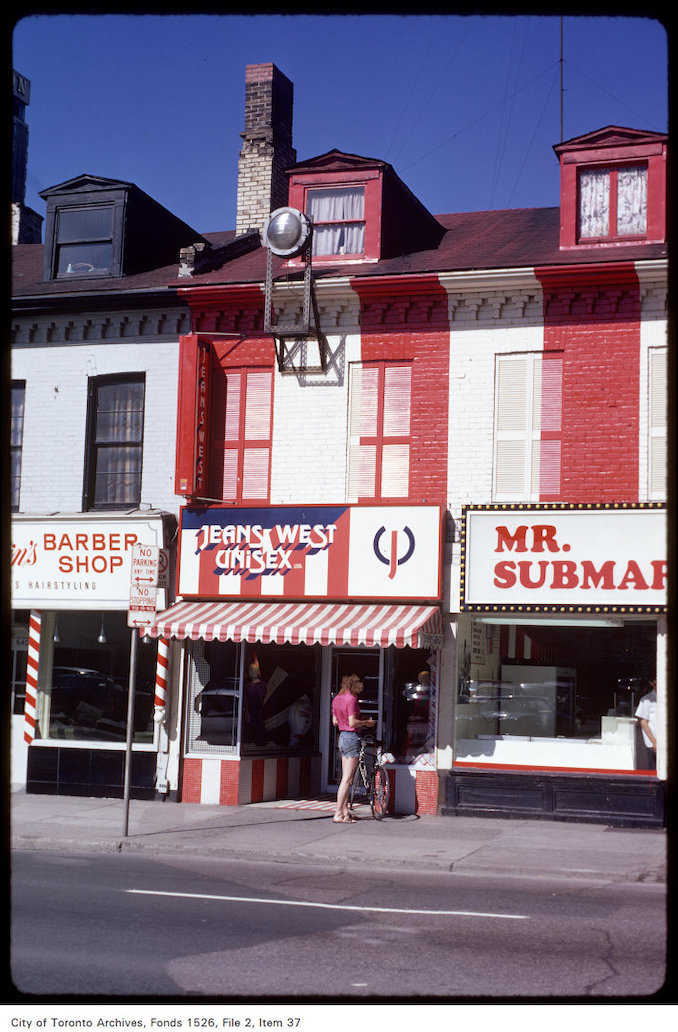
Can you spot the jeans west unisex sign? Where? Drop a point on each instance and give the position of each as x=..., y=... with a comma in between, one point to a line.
x=340, y=552
x=564, y=558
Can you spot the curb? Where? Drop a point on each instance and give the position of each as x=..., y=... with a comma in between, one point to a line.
x=457, y=867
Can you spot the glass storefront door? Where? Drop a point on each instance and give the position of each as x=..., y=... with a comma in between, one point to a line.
x=368, y=665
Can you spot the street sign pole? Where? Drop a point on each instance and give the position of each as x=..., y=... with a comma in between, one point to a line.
x=130, y=729
x=147, y=562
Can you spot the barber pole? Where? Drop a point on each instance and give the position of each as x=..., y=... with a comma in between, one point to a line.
x=32, y=662
x=162, y=672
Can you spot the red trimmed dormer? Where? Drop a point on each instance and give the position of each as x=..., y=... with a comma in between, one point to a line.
x=612, y=188
x=361, y=210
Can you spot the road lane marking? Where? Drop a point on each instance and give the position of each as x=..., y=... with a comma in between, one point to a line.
x=327, y=906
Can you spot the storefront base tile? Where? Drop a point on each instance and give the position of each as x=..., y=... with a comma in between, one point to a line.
x=88, y=772
x=236, y=782
x=593, y=798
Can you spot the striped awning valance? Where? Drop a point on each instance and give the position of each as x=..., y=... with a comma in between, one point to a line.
x=309, y=623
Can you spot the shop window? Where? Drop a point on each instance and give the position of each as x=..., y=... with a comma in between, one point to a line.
x=85, y=670
x=411, y=704
x=16, y=439
x=213, y=697
x=241, y=427
x=19, y=662
x=553, y=695
x=114, y=442
x=338, y=216
x=84, y=241
x=379, y=431
x=612, y=202
x=280, y=698
x=657, y=420
x=527, y=427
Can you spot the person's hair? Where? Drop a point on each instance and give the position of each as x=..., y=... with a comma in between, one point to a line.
x=351, y=683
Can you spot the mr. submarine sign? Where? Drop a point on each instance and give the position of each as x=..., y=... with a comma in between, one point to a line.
x=316, y=551
x=574, y=559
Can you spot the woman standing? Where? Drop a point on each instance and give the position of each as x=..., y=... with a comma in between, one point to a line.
x=346, y=717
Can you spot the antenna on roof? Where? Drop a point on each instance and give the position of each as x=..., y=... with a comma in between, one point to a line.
x=561, y=78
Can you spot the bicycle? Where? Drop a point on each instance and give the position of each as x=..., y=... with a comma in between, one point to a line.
x=370, y=781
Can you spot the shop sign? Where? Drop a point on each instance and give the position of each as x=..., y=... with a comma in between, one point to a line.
x=76, y=563
x=339, y=552
x=581, y=559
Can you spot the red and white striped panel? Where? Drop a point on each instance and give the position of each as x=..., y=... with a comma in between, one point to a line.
x=211, y=780
x=162, y=672
x=32, y=663
x=308, y=623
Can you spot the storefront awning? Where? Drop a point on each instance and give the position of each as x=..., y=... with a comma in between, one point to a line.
x=305, y=623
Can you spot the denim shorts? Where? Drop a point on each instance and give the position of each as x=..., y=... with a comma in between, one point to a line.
x=349, y=743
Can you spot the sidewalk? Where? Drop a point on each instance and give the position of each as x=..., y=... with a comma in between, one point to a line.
x=288, y=831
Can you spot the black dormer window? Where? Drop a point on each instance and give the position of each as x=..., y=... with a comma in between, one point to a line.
x=105, y=228
x=84, y=241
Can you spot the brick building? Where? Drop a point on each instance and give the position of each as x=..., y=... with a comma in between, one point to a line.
x=430, y=450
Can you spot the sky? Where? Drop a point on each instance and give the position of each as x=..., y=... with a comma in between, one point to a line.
x=467, y=109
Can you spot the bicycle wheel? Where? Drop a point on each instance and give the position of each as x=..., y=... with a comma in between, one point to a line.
x=359, y=790
x=380, y=791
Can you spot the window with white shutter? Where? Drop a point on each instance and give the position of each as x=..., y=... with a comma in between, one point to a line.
x=379, y=431
x=241, y=434
x=527, y=427
x=657, y=419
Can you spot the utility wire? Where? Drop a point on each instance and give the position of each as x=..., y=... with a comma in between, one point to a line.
x=469, y=125
x=602, y=88
x=529, y=147
x=415, y=121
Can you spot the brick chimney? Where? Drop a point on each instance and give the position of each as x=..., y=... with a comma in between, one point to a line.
x=267, y=145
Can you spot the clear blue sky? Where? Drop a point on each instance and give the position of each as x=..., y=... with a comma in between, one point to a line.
x=466, y=108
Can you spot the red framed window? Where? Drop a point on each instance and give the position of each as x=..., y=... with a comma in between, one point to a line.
x=612, y=202
x=338, y=215
x=240, y=432
x=379, y=431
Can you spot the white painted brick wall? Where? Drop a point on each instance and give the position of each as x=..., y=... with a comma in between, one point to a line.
x=55, y=419
x=310, y=420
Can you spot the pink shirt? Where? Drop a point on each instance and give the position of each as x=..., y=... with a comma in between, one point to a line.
x=344, y=706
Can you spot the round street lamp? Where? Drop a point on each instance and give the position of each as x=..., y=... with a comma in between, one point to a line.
x=287, y=232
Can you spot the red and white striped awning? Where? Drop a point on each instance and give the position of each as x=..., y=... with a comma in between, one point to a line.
x=308, y=623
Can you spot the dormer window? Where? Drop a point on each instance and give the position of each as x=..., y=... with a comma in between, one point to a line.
x=612, y=202
x=361, y=211
x=105, y=228
x=84, y=245
x=613, y=188
x=338, y=220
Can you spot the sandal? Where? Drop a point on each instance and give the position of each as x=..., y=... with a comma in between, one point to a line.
x=344, y=820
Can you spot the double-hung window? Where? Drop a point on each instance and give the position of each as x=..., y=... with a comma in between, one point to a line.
x=241, y=427
x=16, y=439
x=379, y=431
x=338, y=216
x=527, y=427
x=114, y=442
x=84, y=241
x=612, y=202
x=657, y=421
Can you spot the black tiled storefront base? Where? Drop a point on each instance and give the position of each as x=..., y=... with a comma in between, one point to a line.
x=88, y=772
x=594, y=798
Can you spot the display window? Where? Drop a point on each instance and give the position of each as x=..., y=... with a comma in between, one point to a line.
x=84, y=679
x=253, y=699
x=554, y=695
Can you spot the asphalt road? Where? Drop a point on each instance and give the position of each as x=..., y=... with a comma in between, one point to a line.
x=121, y=927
